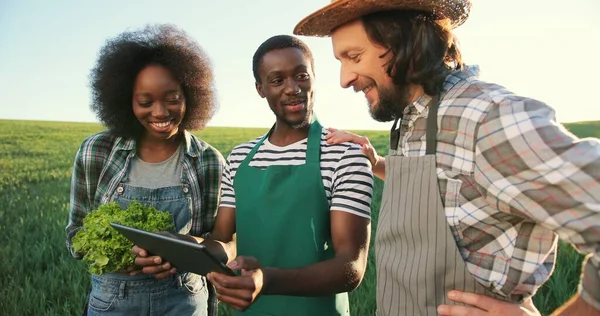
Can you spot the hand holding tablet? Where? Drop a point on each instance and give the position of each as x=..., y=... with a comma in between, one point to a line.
x=181, y=251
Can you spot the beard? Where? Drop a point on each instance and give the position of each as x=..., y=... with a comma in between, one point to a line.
x=305, y=122
x=392, y=101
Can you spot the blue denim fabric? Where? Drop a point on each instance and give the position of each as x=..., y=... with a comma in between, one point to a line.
x=175, y=199
x=182, y=294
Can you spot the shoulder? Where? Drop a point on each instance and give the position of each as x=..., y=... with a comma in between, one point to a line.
x=467, y=93
x=244, y=148
x=208, y=152
x=203, y=147
x=98, y=144
x=344, y=150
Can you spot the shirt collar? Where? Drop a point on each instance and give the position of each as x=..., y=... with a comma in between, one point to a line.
x=468, y=72
x=417, y=106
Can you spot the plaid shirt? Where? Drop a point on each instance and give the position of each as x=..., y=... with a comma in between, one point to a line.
x=512, y=181
x=101, y=163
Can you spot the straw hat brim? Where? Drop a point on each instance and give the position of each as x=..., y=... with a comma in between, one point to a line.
x=322, y=22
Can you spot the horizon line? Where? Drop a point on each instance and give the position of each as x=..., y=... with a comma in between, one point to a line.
x=229, y=126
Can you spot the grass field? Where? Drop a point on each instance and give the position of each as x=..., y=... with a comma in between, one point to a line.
x=39, y=277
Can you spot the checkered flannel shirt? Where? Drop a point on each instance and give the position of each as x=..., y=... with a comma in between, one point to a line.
x=512, y=181
x=101, y=162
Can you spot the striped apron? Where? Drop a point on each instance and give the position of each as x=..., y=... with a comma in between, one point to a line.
x=417, y=258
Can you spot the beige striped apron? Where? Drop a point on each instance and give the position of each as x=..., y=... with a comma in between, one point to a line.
x=417, y=258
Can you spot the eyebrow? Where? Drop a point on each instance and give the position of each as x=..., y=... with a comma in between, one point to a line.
x=168, y=92
x=278, y=72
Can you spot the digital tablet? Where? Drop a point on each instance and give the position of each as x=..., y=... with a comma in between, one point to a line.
x=184, y=255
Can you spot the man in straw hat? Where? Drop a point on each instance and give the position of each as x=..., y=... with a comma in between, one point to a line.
x=479, y=182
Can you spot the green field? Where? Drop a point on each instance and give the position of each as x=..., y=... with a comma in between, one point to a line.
x=39, y=277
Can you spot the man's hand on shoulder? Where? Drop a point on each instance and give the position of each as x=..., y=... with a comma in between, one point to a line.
x=336, y=136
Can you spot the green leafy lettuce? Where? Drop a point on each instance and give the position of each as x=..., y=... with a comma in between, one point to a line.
x=105, y=249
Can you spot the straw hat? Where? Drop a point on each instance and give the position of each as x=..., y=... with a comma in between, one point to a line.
x=338, y=12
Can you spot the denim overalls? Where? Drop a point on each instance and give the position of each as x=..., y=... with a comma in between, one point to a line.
x=181, y=294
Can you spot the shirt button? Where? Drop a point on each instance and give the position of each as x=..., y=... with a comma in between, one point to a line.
x=120, y=190
x=185, y=190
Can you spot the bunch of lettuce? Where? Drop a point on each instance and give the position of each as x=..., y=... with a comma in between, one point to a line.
x=105, y=249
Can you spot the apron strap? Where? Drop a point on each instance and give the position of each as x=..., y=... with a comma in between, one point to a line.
x=432, y=129
x=254, y=149
x=395, y=135
x=313, y=146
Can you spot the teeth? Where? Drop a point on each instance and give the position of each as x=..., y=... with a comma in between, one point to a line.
x=162, y=124
x=367, y=89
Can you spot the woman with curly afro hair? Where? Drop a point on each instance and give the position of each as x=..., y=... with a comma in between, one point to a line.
x=150, y=87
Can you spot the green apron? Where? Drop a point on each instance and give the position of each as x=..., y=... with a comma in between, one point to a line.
x=282, y=219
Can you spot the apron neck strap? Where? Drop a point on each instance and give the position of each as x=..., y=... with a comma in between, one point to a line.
x=313, y=146
x=432, y=126
x=431, y=131
x=395, y=134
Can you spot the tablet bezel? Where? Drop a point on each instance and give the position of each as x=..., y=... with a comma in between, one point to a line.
x=175, y=251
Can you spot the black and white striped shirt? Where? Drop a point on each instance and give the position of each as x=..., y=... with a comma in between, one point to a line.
x=345, y=170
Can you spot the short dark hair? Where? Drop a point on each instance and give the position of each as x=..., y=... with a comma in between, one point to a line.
x=423, y=50
x=279, y=42
x=123, y=57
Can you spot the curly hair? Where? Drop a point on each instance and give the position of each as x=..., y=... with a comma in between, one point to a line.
x=279, y=42
x=423, y=50
x=123, y=57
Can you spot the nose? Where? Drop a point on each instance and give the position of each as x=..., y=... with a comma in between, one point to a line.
x=159, y=110
x=347, y=76
x=292, y=87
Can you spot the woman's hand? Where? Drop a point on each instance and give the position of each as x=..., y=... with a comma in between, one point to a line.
x=151, y=264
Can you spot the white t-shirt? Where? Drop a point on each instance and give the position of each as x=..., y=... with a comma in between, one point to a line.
x=345, y=170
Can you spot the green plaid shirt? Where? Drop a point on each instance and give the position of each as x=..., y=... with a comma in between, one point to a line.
x=102, y=161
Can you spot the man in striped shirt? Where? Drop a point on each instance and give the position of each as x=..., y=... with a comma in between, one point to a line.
x=479, y=182
x=295, y=210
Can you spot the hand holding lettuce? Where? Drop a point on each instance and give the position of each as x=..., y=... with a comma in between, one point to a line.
x=105, y=249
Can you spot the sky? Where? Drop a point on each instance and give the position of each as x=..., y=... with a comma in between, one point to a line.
x=543, y=49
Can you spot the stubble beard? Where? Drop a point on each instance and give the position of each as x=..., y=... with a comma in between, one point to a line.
x=392, y=101
x=307, y=118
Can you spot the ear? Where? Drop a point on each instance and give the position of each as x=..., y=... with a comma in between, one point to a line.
x=259, y=89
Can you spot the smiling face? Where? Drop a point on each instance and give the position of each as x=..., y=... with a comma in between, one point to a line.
x=158, y=102
x=363, y=67
x=286, y=78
